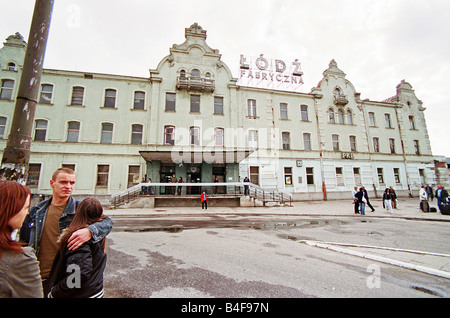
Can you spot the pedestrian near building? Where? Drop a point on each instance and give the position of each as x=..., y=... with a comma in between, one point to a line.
x=246, y=187
x=430, y=193
x=355, y=200
x=19, y=268
x=366, y=196
x=204, y=200
x=387, y=201
x=46, y=220
x=89, y=259
x=361, y=201
x=423, y=197
x=179, y=189
x=393, y=197
x=441, y=196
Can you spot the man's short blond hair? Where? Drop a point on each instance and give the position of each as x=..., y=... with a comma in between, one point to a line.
x=61, y=170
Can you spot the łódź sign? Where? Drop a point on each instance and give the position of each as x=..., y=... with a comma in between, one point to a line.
x=271, y=74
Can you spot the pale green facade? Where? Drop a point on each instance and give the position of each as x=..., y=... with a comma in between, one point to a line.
x=191, y=118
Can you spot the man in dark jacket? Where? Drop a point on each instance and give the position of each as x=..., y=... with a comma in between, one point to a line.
x=46, y=220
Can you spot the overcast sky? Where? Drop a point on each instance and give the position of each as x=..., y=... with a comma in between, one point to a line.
x=377, y=43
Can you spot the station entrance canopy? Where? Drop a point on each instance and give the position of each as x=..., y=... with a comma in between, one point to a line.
x=195, y=156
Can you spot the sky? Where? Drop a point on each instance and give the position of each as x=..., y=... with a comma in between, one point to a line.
x=377, y=43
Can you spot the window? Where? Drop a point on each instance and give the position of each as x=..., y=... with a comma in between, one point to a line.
x=102, y=175
x=254, y=175
x=169, y=135
x=133, y=175
x=341, y=116
x=376, y=144
x=306, y=141
x=286, y=139
x=392, y=145
x=352, y=143
x=170, y=101
x=416, y=147
x=288, y=175
x=380, y=175
x=387, y=118
x=283, y=111
x=253, y=139
x=110, y=98
x=34, y=173
x=309, y=175
x=412, y=126
x=349, y=116
x=304, y=112
x=107, y=131
x=422, y=176
x=195, y=104
x=11, y=66
x=335, y=140
x=2, y=127
x=6, y=91
x=195, y=74
x=218, y=136
x=73, y=131
x=357, y=176
x=218, y=105
x=251, y=108
x=397, y=175
x=136, y=134
x=194, y=136
x=372, y=120
x=331, y=118
x=339, y=176
x=68, y=165
x=139, y=100
x=77, y=95
x=46, y=94
x=40, y=130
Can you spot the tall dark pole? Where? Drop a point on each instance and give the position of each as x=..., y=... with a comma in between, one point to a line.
x=16, y=155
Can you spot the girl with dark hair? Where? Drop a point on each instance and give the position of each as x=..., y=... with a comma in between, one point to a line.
x=79, y=273
x=19, y=268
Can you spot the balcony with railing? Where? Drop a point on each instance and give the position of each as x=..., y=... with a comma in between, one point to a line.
x=196, y=84
x=340, y=100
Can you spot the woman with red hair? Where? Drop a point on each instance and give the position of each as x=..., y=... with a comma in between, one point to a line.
x=19, y=268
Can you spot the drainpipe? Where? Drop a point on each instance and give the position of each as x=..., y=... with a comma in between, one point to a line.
x=403, y=150
x=16, y=155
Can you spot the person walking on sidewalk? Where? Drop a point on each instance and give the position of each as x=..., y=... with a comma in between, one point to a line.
x=204, y=200
x=366, y=196
x=387, y=202
x=355, y=200
x=361, y=200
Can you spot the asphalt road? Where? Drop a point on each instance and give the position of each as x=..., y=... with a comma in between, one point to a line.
x=265, y=257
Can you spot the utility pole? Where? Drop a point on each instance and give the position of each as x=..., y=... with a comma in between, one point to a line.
x=16, y=155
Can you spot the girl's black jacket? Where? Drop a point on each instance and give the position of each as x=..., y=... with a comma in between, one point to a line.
x=79, y=273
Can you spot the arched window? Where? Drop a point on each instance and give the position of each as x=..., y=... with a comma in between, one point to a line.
x=341, y=116
x=349, y=116
x=195, y=73
x=331, y=118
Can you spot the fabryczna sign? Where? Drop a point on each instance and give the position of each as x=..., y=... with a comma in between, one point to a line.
x=272, y=74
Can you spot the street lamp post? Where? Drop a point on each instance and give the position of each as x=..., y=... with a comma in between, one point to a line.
x=16, y=156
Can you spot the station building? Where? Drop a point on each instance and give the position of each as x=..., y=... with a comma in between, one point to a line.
x=193, y=119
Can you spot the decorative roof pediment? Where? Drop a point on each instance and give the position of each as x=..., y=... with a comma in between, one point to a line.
x=195, y=37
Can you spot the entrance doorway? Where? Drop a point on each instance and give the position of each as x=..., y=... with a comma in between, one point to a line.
x=219, y=172
x=167, y=171
x=194, y=175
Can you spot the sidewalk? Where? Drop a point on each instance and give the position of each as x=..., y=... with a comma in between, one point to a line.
x=408, y=208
